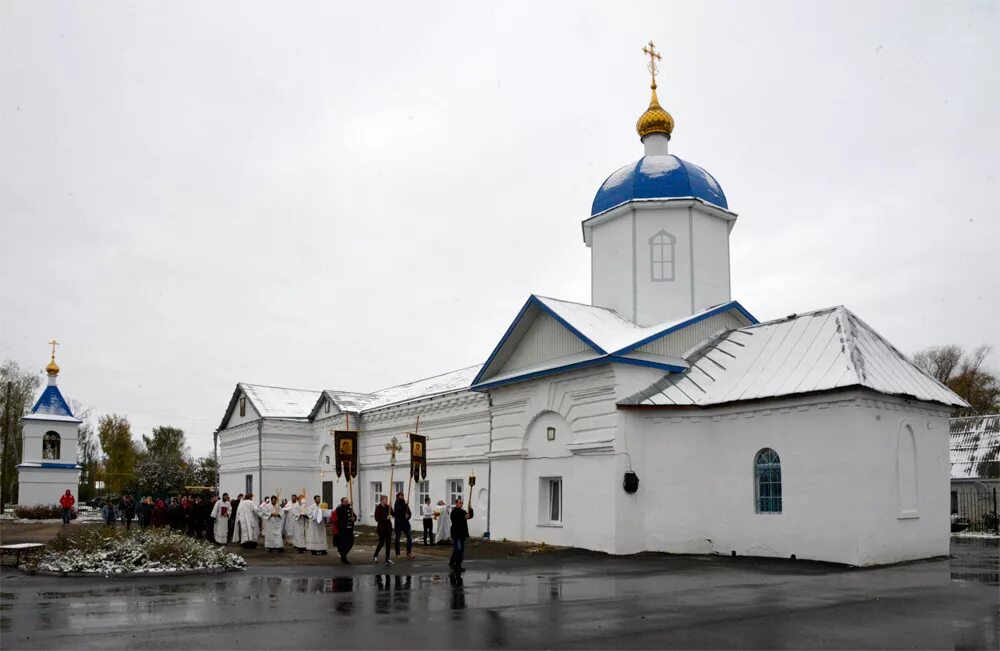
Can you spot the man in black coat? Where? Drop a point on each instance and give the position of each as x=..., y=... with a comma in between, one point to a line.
x=344, y=522
x=459, y=532
x=401, y=515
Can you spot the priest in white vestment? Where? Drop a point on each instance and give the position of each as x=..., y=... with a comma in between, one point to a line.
x=315, y=528
x=444, y=522
x=274, y=521
x=221, y=512
x=247, y=523
x=290, y=516
x=297, y=519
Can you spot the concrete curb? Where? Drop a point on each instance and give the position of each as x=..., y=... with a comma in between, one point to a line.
x=132, y=575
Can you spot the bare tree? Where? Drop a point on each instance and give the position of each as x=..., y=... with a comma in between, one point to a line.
x=964, y=374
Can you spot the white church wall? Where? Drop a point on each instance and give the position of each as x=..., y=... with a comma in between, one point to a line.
x=663, y=300
x=611, y=265
x=907, y=514
x=711, y=280
x=580, y=407
x=697, y=490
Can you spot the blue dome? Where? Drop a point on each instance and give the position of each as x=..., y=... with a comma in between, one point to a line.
x=658, y=177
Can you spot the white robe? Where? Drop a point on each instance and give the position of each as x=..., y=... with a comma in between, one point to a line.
x=315, y=529
x=247, y=523
x=297, y=524
x=273, y=525
x=291, y=512
x=444, y=525
x=221, y=527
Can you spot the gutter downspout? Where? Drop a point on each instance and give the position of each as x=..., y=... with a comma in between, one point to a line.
x=489, y=468
x=260, y=454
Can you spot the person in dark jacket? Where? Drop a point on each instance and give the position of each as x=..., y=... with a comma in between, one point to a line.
x=146, y=512
x=128, y=511
x=384, y=527
x=343, y=529
x=199, y=516
x=459, y=532
x=401, y=515
x=234, y=504
x=109, y=514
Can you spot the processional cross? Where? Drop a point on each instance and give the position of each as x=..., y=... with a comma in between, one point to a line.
x=654, y=56
x=392, y=447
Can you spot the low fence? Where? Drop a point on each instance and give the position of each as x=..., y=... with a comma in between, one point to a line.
x=975, y=510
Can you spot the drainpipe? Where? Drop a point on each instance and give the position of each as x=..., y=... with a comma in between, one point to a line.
x=260, y=455
x=215, y=456
x=489, y=467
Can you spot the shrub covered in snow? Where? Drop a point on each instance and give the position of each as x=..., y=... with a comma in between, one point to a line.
x=117, y=551
x=39, y=512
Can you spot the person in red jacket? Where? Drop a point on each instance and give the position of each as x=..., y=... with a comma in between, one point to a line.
x=66, y=502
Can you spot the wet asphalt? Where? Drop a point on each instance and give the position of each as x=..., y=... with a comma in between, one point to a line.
x=560, y=600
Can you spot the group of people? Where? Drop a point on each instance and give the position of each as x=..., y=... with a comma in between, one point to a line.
x=298, y=521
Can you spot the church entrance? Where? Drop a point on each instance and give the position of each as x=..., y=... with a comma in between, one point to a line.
x=328, y=493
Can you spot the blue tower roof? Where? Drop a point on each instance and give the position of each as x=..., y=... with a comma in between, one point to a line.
x=52, y=403
x=658, y=177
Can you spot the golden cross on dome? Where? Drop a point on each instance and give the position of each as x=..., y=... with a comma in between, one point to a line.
x=654, y=56
x=53, y=343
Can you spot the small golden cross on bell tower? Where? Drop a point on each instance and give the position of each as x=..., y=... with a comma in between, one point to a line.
x=53, y=343
x=654, y=56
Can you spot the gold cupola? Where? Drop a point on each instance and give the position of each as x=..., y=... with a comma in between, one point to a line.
x=655, y=119
x=53, y=369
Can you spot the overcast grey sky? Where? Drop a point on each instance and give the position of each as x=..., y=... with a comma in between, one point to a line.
x=351, y=196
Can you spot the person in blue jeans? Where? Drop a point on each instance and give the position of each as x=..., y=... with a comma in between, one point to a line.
x=459, y=532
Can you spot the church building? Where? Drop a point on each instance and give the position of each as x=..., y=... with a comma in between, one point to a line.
x=661, y=417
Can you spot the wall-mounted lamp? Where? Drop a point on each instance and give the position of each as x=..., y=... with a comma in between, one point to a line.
x=550, y=433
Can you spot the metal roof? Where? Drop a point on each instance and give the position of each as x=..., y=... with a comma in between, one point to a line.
x=52, y=405
x=975, y=447
x=657, y=177
x=818, y=351
x=279, y=402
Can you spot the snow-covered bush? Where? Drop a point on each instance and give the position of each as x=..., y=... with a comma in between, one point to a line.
x=117, y=551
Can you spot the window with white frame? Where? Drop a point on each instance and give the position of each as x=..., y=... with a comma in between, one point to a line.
x=249, y=484
x=661, y=256
x=377, y=491
x=550, y=493
x=456, y=489
x=397, y=488
x=423, y=490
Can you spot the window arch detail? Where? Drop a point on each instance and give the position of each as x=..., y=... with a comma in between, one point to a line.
x=767, y=481
x=51, y=443
x=661, y=257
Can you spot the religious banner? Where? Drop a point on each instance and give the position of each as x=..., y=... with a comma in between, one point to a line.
x=346, y=448
x=418, y=456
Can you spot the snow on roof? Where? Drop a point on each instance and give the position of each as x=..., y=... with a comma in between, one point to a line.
x=279, y=402
x=432, y=386
x=52, y=403
x=818, y=351
x=975, y=447
x=348, y=400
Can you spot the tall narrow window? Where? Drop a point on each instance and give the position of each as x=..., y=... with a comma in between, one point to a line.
x=906, y=473
x=456, y=489
x=243, y=406
x=249, y=484
x=377, y=491
x=50, y=445
x=661, y=256
x=767, y=470
x=555, y=500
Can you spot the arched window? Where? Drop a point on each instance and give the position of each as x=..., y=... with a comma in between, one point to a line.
x=767, y=474
x=50, y=445
x=661, y=256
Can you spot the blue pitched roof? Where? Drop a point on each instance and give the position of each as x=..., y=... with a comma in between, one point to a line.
x=52, y=403
x=658, y=177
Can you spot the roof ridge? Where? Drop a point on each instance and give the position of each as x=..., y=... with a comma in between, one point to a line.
x=274, y=386
x=429, y=377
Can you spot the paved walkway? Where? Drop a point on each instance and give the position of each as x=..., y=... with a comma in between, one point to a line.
x=561, y=600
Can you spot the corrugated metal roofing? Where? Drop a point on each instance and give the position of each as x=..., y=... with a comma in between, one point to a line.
x=432, y=386
x=817, y=351
x=975, y=447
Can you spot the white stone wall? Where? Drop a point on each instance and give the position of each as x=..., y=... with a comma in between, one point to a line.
x=35, y=429
x=838, y=464
x=46, y=485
